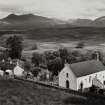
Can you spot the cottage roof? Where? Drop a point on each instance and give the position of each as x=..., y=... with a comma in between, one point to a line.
x=88, y=67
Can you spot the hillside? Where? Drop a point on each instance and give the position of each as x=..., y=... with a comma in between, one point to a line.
x=90, y=35
x=22, y=93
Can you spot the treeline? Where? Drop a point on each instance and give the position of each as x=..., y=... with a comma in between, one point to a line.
x=50, y=60
x=54, y=60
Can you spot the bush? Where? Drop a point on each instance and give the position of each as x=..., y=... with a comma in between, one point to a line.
x=80, y=45
x=101, y=91
x=34, y=47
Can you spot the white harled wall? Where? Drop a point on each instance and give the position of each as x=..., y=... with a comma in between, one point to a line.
x=74, y=82
x=87, y=80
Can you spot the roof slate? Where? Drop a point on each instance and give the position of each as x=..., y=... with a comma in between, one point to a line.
x=88, y=67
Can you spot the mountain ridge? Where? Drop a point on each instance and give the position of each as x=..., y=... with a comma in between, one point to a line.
x=30, y=21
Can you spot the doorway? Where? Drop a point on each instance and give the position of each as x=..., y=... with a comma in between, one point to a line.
x=67, y=84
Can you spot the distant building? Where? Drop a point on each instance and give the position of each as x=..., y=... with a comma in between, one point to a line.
x=9, y=72
x=18, y=71
x=1, y=72
x=81, y=75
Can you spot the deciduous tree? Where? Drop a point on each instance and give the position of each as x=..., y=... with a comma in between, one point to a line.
x=14, y=44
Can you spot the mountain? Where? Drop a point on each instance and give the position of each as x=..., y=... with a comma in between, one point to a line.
x=29, y=21
x=99, y=22
x=80, y=22
x=27, y=18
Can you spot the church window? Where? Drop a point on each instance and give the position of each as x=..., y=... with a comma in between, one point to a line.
x=104, y=82
x=89, y=79
x=67, y=75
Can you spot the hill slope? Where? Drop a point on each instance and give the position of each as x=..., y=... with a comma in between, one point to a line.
x=22, y=93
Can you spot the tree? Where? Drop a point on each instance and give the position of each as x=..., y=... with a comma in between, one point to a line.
x=71, y=59
x=63, y=54
x=49, y=55
x=27, y=66
x=37, y=59
x=35, y=71
x=34, y=47
x=101, y=91
x=55, y=66
x=14, y=44
x=97, y=55
x=92, y=89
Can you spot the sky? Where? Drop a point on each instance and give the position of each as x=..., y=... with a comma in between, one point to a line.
x=61, y=9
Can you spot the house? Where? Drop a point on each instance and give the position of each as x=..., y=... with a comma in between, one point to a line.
x=81, y=75
x=1, y=72
x=18, y=70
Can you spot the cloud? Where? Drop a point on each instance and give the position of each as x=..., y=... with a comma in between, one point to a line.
x=9, y=9
x=63, y=9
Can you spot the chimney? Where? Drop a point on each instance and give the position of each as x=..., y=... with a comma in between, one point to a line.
x=97, y=56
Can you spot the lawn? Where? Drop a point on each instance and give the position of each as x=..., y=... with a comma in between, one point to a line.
x=14, y=92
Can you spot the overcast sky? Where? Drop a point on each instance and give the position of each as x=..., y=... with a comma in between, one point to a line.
x=63, y=9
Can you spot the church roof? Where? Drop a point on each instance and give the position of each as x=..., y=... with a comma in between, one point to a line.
x=87, y=67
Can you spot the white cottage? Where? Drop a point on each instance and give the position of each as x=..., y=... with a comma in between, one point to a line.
x=1, y=73
x=18, y=71
x=74, y=75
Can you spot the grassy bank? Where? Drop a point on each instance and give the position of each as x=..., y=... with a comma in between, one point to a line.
x=22, y=93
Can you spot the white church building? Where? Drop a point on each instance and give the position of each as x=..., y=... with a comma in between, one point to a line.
x=73, y=75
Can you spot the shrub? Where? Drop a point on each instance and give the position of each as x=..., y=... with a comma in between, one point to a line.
x=34, y=47
x=80, y=45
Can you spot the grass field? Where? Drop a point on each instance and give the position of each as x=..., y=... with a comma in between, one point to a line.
x=54, y=38
x=22, y=93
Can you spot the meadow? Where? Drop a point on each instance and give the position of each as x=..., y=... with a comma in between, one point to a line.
x=14, y=92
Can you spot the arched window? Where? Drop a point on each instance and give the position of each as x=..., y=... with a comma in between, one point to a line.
x=67, y=84
x=81, y=85
x=67, y=75
x=89, y=79
x=104, y=82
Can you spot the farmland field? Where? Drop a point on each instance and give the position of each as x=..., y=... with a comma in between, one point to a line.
x=54, y=38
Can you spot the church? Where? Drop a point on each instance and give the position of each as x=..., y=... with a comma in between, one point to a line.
x=73, y=76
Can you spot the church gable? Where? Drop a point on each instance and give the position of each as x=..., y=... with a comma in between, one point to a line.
x=73, y=75
x=67, y=78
